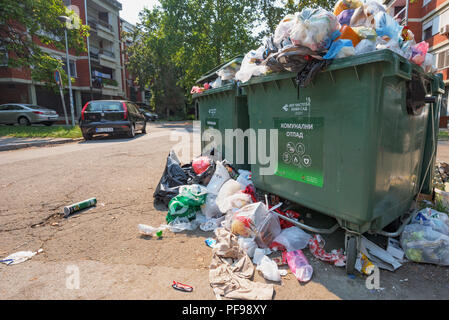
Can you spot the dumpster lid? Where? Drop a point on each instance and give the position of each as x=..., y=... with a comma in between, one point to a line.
x=212, y=74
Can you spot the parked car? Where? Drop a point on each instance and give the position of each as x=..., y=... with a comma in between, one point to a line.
x=111, y=117
x=27, y=114
x=151, y=116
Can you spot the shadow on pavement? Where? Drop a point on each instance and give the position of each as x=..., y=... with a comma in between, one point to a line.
x=108, y=139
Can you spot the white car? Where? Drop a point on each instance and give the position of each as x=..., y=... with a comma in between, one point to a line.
x=26, y=114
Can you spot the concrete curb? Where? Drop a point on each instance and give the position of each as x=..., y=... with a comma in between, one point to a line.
x=18, y=146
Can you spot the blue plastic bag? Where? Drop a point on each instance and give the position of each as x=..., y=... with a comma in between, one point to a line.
x=387, y=26
x=336, y=48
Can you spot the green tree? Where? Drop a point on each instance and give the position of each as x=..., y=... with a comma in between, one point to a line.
x=28, y=24
x=180, y=40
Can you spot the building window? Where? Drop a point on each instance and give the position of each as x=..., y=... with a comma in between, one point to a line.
x=427, y=33
x=4, y=57
x=67, y=3
x=425, y=2
x=443, y=59
x=72, y=68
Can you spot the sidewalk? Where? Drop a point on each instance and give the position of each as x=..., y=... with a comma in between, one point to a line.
x=8, y=143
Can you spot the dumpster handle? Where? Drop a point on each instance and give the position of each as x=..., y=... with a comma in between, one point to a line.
x=308, y=228
x=403, y=69
x=401, y=228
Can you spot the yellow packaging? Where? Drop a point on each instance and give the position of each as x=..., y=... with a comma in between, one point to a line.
x=363, y=265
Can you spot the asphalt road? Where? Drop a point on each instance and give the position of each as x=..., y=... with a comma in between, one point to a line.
x=104, y=247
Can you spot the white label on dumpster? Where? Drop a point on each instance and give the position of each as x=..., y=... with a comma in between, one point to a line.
x=299, y=108
x=212, y=111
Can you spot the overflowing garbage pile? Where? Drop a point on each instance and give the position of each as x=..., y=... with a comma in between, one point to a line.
x=307, y=42
x=223, y=76
x=213, y=196
x=251, y=232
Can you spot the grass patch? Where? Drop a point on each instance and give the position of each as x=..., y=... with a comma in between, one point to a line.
x=443, y=135
x=40, y=132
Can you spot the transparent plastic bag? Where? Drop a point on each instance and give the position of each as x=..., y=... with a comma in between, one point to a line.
x=293, y=239
x=234, y=202
x=210, y=208
x=250, y=65
x=243, y=220
x=387, y=26
x=282, y=31
x=267, y=230
x=248, y=245
x=269, y=269
x=438, y=221
x=423, y=244
x=314, y=28
x=419, y=52
x=365, y=46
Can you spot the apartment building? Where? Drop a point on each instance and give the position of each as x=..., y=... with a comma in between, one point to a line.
x=99, y=73
x=133, y=92
x=429, y=21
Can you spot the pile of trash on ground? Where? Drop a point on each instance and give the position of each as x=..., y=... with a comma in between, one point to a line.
x=441, y=176
x=251, y=234
x=308, y=41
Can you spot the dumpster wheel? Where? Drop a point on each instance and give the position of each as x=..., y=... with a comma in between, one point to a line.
x=351, y=254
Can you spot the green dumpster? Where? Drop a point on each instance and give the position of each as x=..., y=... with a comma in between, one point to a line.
x=225, y=108
x=350, y=145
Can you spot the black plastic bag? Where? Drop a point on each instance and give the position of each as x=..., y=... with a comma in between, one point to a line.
x=173, y=177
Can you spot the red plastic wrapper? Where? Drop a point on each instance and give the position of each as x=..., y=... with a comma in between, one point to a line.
x=201, y=164
x=336, y=257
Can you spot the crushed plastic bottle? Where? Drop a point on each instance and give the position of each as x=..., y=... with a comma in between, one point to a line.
x=150, y=231
x=299, y=265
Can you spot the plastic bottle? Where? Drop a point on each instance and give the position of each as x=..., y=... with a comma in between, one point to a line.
x=149, y=231
x=299, y=265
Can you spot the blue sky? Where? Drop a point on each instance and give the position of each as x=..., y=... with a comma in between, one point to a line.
x=131, y=9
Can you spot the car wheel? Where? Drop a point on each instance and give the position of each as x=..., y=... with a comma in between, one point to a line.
x=24, y=121
x=144, y=130
x=87, y=136
x=132, y=131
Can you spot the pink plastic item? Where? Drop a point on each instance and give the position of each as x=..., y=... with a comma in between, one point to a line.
x=419, y=52
x=298, y=264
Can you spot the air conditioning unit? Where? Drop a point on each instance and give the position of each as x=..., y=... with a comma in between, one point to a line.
x=444, y=30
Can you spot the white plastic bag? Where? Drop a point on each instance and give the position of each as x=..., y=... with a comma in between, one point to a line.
x=210, y=208
x=20, y=257
x=220, y=176
x=269, y=269
x=230, y=188
x=249, y=67
x=293, y=239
